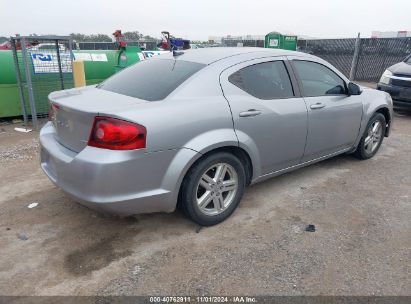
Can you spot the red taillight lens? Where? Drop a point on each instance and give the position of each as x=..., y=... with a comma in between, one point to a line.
x=116, y=134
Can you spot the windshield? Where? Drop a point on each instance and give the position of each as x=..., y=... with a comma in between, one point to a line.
x=408, y=60
x=151, y=79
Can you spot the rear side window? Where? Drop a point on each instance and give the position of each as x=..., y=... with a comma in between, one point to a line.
x=318, y=80
x=268, y=80
x=152, y=79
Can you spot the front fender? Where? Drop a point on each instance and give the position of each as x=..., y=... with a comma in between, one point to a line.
x=374, y=100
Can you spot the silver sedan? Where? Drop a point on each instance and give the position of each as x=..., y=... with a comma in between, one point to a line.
x=194, y=128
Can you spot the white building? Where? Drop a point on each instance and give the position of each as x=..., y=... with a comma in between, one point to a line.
x=378, y=34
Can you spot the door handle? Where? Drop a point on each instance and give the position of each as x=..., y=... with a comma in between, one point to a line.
x=250, y=113
x=318, y=105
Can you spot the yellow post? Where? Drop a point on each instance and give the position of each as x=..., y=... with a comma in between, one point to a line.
x=78, y=73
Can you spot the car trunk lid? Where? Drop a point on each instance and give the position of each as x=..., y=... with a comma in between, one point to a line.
x=74, y=111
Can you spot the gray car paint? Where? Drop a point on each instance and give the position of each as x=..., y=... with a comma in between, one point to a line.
x=335, y=126
x=199, y=116
x=283, y=122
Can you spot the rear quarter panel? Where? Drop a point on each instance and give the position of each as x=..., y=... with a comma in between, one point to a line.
x=195, y=116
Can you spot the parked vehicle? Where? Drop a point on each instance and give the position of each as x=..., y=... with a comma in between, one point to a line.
x=196, y=128
x=396, y=80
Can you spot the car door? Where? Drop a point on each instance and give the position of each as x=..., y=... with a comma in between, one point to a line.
x=334, y=117
x=269, y=115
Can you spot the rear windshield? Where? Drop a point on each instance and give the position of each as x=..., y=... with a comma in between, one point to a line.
x=152, y=79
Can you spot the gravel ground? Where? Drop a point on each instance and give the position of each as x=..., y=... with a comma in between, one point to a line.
x=361, y=246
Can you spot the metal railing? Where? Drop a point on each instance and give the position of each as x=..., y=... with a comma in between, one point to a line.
x=43, y=64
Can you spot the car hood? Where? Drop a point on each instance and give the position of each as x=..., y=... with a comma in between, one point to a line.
x=401, y=68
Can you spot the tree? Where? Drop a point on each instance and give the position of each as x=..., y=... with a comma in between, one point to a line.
x=100, y=38
x=128, y=36
x=148, y=37
x=133, y=36
x=90, y=38
x=78, y=37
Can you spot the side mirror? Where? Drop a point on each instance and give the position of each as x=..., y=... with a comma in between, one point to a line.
x=354, y=89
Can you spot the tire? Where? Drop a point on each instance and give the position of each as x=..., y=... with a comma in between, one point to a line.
x=372, y=139
x=202, y=195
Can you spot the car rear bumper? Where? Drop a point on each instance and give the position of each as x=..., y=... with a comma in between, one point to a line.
x=120, y=182
x=401, y=95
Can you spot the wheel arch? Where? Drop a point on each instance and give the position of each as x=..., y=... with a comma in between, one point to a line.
x=368, y=114
x=386, y=112
x=240, y=153
x=233, y=149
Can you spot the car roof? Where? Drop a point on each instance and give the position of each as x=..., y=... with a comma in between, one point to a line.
x=211, y=55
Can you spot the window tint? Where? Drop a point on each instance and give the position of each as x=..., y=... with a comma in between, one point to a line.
x=318, y=80
x=152, y=79
x=268, y=80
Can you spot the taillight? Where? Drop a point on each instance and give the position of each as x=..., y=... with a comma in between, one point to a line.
x=116, y=134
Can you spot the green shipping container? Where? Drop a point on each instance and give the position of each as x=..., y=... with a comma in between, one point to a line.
x=275, y=40
x=9, y=94
x=97, y=71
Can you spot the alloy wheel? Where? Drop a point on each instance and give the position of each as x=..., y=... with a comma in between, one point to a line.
x=374, y=137
x=217, y=188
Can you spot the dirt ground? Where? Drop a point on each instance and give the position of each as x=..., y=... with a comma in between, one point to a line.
x=361, y=246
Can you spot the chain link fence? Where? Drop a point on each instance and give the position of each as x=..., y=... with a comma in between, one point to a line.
x=375, y=55
x=339, y=52
x=43, y=65
x=240, y=42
